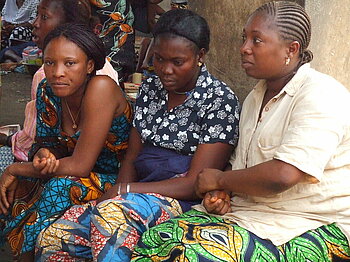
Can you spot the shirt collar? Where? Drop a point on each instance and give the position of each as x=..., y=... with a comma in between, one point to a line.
x=292, y=87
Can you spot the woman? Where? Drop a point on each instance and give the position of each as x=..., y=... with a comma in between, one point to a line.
x=289, y=179
x=185, y=120
x=50, y=15
x=84, y=121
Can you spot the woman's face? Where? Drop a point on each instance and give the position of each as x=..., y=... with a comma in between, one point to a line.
x=263, y=52
x=66, y=67
x=50, y=15
x=176, y=63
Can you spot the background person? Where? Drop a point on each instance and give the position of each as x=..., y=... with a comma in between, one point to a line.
x=290, y=176
x=185, y=120
x=74, y=107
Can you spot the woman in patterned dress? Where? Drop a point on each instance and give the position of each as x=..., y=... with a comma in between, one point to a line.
x=290, y=176
x=83, y=124
x=185, y=120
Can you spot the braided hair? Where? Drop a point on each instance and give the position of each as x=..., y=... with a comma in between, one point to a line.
x=293, y=24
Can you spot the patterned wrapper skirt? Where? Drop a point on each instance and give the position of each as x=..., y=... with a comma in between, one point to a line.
x=197, y=236
x=104, y=232
x=39, y=203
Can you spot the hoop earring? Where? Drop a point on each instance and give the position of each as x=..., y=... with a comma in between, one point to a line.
x=287, y=61
x=200, y=64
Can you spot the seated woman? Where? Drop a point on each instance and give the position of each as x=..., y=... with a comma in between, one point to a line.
x=51, y=13
x=185, y=120
x=84, y=121
x=290, y=178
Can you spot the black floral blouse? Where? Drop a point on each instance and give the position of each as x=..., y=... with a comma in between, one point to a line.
x=209, y=114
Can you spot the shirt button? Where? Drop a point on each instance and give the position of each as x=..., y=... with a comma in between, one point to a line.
x=274, y=100
x=267, y=109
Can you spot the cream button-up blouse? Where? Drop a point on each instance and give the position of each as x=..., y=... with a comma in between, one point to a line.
x=308, y=126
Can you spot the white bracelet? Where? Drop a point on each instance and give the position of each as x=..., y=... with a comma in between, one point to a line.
x=119, y=187
x=127, y=188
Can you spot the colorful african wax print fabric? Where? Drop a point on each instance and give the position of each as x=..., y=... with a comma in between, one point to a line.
x=106, y=232
x=117, y=34
x=110, y=230
x=197, y=237
x=39, y=202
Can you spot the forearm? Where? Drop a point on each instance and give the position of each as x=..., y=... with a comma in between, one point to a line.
x=24, y=169
x=265, y=179
x=178, y=188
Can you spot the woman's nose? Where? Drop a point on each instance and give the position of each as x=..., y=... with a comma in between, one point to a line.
x=245, y=48
x=167, y=69
x=58, y=70
x=36, y=22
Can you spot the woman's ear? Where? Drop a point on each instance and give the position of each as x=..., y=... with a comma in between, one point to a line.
x=294, y=48
x=90, y=66
x=201, y=54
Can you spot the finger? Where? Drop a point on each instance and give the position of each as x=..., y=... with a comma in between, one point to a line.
x=3, y=210
x=51, y=165
x=2, y=204
x=218, y=205
x=225, y=208
x=208, y=205
x=57, y=163
x=40, y=164
x=11, y=196
x=3, y=197
x=45, y=170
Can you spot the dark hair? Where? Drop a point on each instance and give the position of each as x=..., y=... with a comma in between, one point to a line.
x=84, y=38
x=75, y=11
x=184, y=23
x=293, y=24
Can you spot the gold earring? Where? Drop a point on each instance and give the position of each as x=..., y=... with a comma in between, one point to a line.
x=287, y=60
x=200, y=63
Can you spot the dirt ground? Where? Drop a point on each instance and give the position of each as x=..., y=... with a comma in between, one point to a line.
x=14, y=94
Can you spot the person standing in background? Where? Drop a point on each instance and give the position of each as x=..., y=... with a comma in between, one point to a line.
x=116, y=19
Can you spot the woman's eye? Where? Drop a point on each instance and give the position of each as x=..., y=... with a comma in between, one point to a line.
x=44, y=17
x=244, y=38
x=70, y=63
x=158, y=59
x=257, y=40
x=178, y=63
x=48, y=63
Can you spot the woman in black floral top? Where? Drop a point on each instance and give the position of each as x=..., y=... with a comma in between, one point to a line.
x=185, y=120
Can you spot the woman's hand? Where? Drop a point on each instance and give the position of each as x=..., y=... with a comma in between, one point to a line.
x=111, y=193
x=8, y=185
x=207, y=180
x=45, y=162
x=217, y=202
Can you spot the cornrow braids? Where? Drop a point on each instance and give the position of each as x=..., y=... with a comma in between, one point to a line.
x=293, y=24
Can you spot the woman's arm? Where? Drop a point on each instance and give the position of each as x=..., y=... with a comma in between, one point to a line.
x=127, y=172
x=269, y=178
x=206, y=156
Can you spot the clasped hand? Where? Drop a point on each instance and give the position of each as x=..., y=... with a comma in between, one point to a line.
x=45, y=162
x=215, y=199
